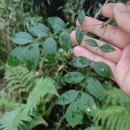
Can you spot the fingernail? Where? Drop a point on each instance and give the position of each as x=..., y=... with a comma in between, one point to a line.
x=121, y=7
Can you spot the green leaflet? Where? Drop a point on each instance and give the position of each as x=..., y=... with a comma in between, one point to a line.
x=80, y=62
x=106, y=48
x=95, y=88
x=50, y=49
x=56, y=23
x=79, y=35
x=103, y=69
x=88, y=104
x=39, y=30
x=74, y=113
x=29, y=54
x=68, y=97
x=22, y=38
x=73, y=77
x=65, y=40
x=81, y=17
x=91, y=42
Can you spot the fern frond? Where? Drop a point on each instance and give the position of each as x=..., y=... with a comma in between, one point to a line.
x=42, y=87
x=14, y=120
x=5, y=102
x=117, y=97
x=18, y=119
x=95, y=128
x=113, y=118
x=18, y=79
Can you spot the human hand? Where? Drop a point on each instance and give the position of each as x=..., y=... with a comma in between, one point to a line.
x=119, y=37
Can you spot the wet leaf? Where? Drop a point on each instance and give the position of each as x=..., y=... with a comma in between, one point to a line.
x=73, y=77
x=39, y=30
x=22, y=38
x=81, y=17
x=91, y=42
x=79, y=35
x=65, y=40
x=68, y=97
x=28, y=54
x=50, y=49
x=106, y=48
x=88, y=104
x=80, y=62
x=74, y=113
x=56, y=23
x=95, y=88
x=103, y=69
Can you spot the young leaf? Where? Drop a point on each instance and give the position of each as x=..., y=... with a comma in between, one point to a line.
x=79, y=35
x=22, y=38
x=68, y=97
x=74, y=113
x=80, y=62
x=106, y=48
x=88, y=104
x=81, y=17
x=91, y=42
x=39, y=30
x=50, y=49
x=73, y=77
x=56, y=23
x=95, y=88
x=103, y=69
x=65, y=40
x=29, y=54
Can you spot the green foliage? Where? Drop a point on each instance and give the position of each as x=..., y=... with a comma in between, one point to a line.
x=45, y=86
x=47, y=53
x=95, y=88
x=79, y=35
x=113, y=117
x=19, y=80
x=106, y=48
x=73, y=77
x=80, y=62
x=103, y=69
x=91, y=42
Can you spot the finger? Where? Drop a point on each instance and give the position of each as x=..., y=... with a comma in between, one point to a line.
x=112, y=56
x=80, y=51
x=122, y=17
x=107, y=10
x=112, y=34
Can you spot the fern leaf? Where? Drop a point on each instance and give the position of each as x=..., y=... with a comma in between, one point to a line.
x=42, y=87
x=95, y=128
x=113, y=118
x=117, y=97
x=14, y=120
x=18, y=79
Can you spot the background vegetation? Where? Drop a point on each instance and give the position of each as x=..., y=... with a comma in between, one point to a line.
x=17, y=15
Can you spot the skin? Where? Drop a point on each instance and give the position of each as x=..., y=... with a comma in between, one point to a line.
x=119, y=37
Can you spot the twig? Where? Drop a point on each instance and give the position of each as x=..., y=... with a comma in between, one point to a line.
x=100, y=10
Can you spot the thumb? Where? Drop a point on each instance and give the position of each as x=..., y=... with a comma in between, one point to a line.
x=122, y=17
